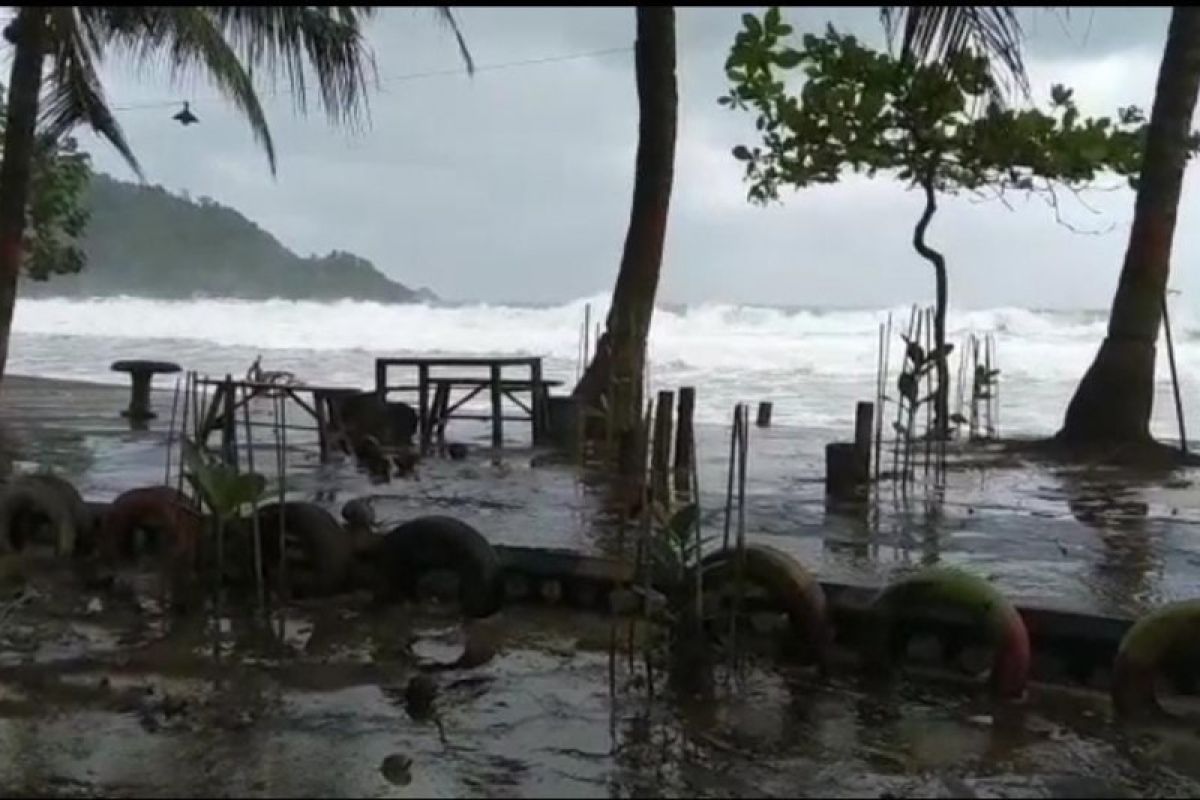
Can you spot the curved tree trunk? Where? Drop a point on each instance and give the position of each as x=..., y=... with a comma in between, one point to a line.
x=28, y=33
x=615, y=375
x=1116, y=396
x=942, y=392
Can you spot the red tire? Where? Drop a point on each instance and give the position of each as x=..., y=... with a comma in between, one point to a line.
x=789, y=585
x=173, y=528
x=948, y=587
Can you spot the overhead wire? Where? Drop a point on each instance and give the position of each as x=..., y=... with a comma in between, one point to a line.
x=412, y=76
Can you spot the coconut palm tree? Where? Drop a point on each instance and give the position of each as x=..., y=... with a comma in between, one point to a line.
x=615, y=374
x=1114, y=400
x=54, y=83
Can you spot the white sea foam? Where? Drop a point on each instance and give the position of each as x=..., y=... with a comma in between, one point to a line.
x=813, y=363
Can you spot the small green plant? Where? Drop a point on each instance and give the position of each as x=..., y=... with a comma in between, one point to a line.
x=221, y=488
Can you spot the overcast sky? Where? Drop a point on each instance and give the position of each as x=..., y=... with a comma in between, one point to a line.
x=515, y=185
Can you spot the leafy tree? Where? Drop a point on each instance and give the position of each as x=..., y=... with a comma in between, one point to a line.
x=936, y=126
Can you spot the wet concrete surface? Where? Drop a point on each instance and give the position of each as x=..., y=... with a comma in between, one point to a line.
x=1084, y=539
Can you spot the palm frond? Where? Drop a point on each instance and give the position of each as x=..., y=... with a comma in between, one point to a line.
x=936, y=34
x=288, y=40
x=446, y=15
x=74, y=93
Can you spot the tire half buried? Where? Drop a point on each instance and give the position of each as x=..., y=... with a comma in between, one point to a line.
x=318, y=551
x=1166, y=637
x=31, y=502
x=441, y=543
x=789, y=585
x=969, y=594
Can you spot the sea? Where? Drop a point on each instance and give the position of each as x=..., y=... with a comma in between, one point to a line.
x=813, y=364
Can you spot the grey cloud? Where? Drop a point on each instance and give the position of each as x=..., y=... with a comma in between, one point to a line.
x=515, y=185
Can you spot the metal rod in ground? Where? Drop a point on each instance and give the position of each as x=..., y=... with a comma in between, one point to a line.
x=171, y=434
x=733, y=440
x=684, y=443
x=183, y=423
x=740, y=562
x=587, y=330
x=887, y=359
x=259, y=584
x=642, y=576
x=996, y=388
x=931, y=388
x=281, y=450
x=699, y=543
x=878, y=404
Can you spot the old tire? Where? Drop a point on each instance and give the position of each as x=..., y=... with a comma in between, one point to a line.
x=983, y=603
x=174, y=526
x=789, y=585
x=1166, y=637
x=318, y=550
x=442, y=543
x=31, y=501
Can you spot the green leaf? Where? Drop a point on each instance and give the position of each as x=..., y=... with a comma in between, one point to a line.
x=741, y=153
x=772, y=18
x=789, y=59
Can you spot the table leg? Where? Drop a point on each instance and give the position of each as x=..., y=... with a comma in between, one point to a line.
x=497, y=419
x=537, y=402
x=319, y=401
x=423, y=405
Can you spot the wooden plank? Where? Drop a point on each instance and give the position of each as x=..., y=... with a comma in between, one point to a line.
x=434, y=361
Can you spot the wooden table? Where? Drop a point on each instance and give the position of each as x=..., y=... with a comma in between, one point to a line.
x=433, y=392
x=233, y=394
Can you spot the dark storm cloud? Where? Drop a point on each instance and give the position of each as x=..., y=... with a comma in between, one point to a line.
x=515, y=185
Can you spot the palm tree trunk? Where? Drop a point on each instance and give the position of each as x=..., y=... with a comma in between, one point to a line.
x=28, y=33
x=1116, y=396
x=615, y=373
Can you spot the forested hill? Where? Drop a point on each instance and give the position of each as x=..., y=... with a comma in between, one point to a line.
x=144, y=241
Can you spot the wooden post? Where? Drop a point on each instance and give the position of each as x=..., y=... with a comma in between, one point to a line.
x=841, y=471
x=864, y=417
x=438, y=415
x=683, y=439
x=319, y=409
x=764, y=415
x=497, y=419
x=660, y=462
x=423, y=405
x=537, y=402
